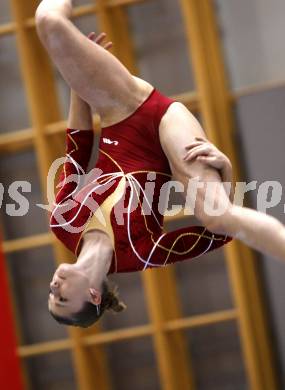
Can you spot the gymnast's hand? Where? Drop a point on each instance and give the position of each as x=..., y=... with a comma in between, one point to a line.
x=204, y=151
x=99, y=40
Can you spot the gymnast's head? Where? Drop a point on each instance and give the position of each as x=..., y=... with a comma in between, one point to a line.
x=80, y=293
x=72, y=301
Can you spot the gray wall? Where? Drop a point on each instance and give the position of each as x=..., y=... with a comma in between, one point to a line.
x=252, y=33
x=260, y=120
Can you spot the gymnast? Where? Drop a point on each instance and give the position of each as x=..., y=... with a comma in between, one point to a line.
x=145, y=137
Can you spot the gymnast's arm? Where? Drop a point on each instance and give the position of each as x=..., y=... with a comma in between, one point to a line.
x=79, y=143
x=80, y=116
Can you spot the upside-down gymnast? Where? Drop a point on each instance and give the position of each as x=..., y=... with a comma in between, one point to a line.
x=143, y=133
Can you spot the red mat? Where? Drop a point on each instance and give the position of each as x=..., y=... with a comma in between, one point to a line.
x=10, y=370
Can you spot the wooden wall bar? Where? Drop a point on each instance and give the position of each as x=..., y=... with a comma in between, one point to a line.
x=217, y=112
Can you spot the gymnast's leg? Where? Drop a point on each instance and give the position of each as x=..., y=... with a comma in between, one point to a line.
x=178, y=129
x=93, y=73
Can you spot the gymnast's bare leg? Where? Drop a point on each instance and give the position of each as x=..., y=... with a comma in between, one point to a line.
x=94, y=74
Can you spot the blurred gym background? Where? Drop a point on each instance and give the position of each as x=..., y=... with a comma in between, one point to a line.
x=216, y=323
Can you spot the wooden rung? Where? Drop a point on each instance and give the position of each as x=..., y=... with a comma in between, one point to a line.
x=59, y=127
x=189, y=99
x=118, y=335
x=77, y=12
x=7, y=28
x=254, y=89
x=100, y=338
x=16, y=140
x=23, y=138
x=22, y=244
x=44, y=348
x=192, y=99
x=117, y=3
x=84, y=10
x=36, y=241
x=55, y=128
x=129, y=333
x=180, y=215
x=30, y=23
x=88, y=9
x=201, y=320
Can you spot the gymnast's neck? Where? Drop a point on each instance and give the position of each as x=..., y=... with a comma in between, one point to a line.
x=95, y=256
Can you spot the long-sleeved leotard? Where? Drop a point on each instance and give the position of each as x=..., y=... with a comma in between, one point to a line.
x=122, y=195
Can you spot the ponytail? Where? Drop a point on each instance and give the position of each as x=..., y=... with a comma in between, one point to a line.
x=110, y=300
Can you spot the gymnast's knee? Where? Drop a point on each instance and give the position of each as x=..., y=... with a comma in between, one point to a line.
x=49, y=23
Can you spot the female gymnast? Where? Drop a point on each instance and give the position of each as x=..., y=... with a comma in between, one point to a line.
x=145, y=137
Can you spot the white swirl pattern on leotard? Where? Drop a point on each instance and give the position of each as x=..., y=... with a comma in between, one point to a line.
x=112, y=177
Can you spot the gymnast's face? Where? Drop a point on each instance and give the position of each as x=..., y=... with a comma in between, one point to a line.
x=69, y=290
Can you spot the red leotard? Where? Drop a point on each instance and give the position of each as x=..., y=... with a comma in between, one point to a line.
x=129, y=151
